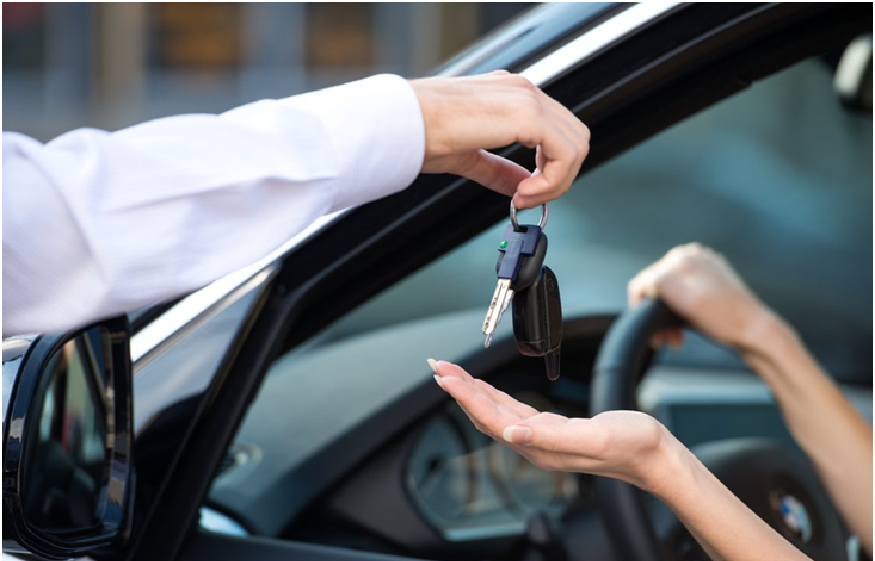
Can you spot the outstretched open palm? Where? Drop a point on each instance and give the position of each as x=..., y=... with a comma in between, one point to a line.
x=618, y=444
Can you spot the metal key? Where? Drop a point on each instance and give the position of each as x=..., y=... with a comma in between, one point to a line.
x=497, y=307
x=537, y=321
x=521, y=254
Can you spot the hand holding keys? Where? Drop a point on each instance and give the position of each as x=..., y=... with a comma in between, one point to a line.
x=533, y=289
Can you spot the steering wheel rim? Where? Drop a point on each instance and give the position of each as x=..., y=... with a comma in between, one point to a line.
x=624, y=357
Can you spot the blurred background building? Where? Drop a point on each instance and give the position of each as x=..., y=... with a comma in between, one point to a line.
x=112, y=64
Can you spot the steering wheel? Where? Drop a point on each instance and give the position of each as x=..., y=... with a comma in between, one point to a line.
x=777, y=482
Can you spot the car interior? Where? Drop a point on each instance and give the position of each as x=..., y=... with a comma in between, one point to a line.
x=349, y=442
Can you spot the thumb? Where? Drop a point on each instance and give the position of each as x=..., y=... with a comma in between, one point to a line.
x=535, y=429
x=557, y=434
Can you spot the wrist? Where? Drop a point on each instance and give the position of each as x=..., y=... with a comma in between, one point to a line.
x=778, y=355
x=763, y=333
x=663, y=470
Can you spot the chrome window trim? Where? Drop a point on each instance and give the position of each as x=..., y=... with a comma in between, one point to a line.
x=214, y=297
x=559, y=61
x=183, y=314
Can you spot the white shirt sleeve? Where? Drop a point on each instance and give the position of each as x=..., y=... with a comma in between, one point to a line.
x=98, y=223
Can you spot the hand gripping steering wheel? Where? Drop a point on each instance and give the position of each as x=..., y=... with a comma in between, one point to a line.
x=777, y=482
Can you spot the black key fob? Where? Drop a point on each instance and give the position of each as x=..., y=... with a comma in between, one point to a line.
x=537, y=320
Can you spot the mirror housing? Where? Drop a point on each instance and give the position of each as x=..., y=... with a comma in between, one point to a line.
x=67, y=440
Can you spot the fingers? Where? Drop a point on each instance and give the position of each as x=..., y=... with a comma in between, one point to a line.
x=700, y=285
x=678, y=266
x=493, y=172
x=673, y=338
x=563, y=144
x=643, y=285
x=615, y=443
x=563, y=159
x=488, y=416
x=540, y=160
x=465, y=115
x=503, y=418
x=649, y=283
x=443, y=369
x=488, y=409
x=521, y=409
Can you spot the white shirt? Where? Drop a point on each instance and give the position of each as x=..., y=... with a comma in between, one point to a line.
x=98, y=223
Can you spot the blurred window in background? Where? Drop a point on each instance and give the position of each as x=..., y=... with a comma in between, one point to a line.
x=113, y=64
x=48, y=78
x=196, y=36
x=24, y=36
x=340, y=35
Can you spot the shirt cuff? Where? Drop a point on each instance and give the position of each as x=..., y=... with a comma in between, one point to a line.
x=376, y=128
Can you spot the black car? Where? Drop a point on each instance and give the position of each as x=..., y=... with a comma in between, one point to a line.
x=287, y=411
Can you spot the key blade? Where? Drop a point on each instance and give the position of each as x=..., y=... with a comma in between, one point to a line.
x=498, y=313
x=506, y=299
x=493, y=314
x=497, y=296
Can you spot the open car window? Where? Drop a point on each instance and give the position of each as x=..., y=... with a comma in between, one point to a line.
x=777, y=178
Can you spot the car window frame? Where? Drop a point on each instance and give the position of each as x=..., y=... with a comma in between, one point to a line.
x=613, y=106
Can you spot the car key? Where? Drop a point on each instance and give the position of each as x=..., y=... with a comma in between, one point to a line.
x=537, y=320
x=521, y=255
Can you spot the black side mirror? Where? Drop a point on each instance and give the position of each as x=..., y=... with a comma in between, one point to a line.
x=67, y=436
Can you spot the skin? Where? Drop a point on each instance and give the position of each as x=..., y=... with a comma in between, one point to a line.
x=466, y=116
x=700, y=285
x=634, y=447
x=627, y=445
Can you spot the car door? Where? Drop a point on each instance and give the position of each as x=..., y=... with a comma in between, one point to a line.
x=629, y=72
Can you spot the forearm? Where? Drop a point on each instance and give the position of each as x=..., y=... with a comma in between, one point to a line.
x=725, y=527
x=822, y=421
x=98, y=223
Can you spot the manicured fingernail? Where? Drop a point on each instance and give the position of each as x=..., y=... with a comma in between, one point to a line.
x=432, y=363
x=438, y=380
x=518, y=435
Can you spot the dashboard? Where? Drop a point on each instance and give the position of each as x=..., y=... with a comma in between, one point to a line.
x=470, y=487
x=391, y=465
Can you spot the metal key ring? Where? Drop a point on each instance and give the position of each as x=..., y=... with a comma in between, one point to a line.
x=541, y=224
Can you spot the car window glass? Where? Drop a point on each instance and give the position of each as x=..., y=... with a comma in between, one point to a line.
x=193, y=360
x=777, y=178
